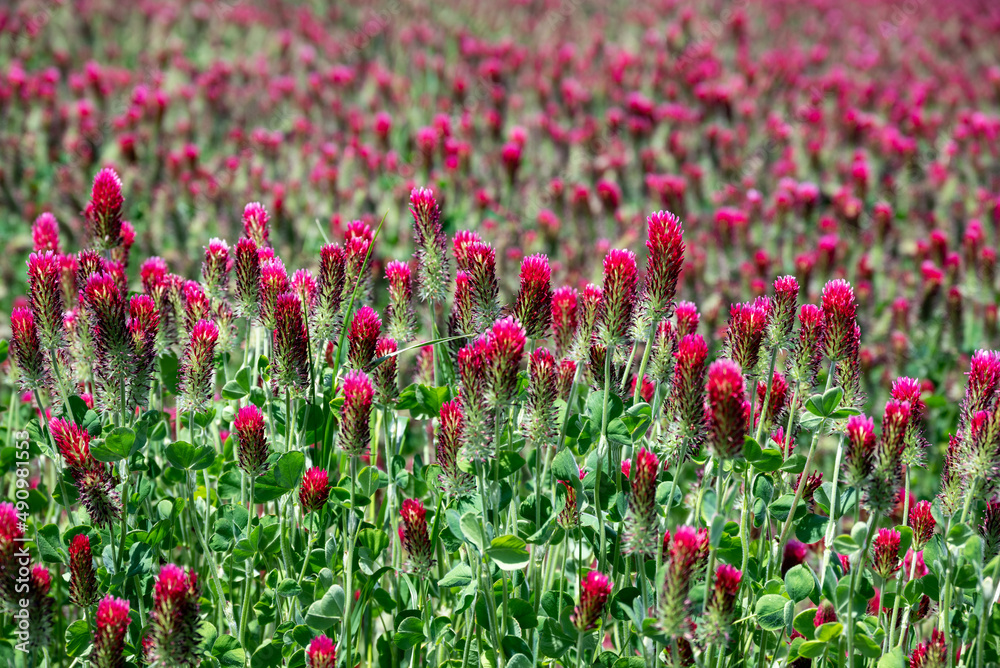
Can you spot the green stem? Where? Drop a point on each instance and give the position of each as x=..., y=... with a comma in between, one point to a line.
x=855, y=570
x=245, y=610
x=899, y=576
x=603, y=443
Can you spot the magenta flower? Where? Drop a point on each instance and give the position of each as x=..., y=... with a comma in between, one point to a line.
x=104, y=211
x=887, y=475
x=26, y=350
x=641, y=524
x=565, y=375
x=362, y=338
x=825, y=614
x=474, y=361
x=215, y=267
x=665, y=244
x=251, y=440
x=619, y=295
x=594, y=592
x=143, y=328
x=399, y=313
x=109, y=635
x=786, y=295
x=885, y=552
x=533, y=307
x=413, y=536
x=482, y=269
x=460, y=247
x=719, y=611
x=273, y=283
x=984, y=380
x=727, y=409
x=839, y=312
x=431, y=245
x=564, y=318
x=83, y=589
x=198, y=366
x=687, y=404
x=290, y=347
x=173, y=620
x=506, y=342
x=255, y=220
x=747, y=326
x=45, y=233
x=331, y=289
x=687, y=319
x=932, y=652
x=355, y=416
x=808, y=353
x=315, y=489
x=322, y=653
x=922, y=522
x=46, y=298
x=454, y=481
x=686, y=550
x=859, y=453
x=385, y=372
x=463, y=313
x=247, y=268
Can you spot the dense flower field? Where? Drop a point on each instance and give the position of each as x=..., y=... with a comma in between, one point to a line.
x=542, y=333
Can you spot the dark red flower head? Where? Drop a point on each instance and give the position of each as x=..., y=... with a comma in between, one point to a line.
x=747, y=326
x=355, y=420
x=885, y=552
x=839, y=312
x=109, y=635
x=534, y=300
x=322, y=653
x=45, y=233
x=415, y=538
x=104, y=212
x=922, y=522
x=46, y=297
x=564, y=318
x=83, y=589
x=315, y=489
x=251, y=440
x=506, y=345
x=26, y=349
x=362, y=337
x=173, y=634
x=665, y=244
x=727, y=409
x=619, y=295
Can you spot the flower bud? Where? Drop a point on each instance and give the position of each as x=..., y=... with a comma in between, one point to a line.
x=839, y=312
x=747, y=325
x=619, y=295
x=104, y=211
x=362, y=337
x=255, y=223
x=273, y=283
x=322, y=653
x=431, y=245
x=885, y=552
x=173, y=620
x=665, y=246
x=45, y=233
x=46, y=298
x=727, y=409
x=26, y=349
x=290, y=347
x=641, y=525
x=454, y=481
x=564, y=318
x=198, y=366
x=215, y=268
x=922, y=522
x=83, y=589
x=399, y=313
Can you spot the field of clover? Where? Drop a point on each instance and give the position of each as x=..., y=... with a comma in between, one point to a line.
x=554, y=333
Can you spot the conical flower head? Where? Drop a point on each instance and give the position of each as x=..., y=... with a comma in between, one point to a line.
x=474, y=364
x=688, y=318
x=26, y=349
x=727, y=409
x=533, y=307
x=540, y=424
x=590, y=314
x=315, y=489
x=322, y=653
x=83, y=589
x=246, y=265
x=747, y=327
x=399, y=313
x=808, y=353
x=355, y=420
x=173, y=619
x=885, y=552
x=290, y=343
x=595, y=589
x=273, y=283
x=109, y=635
x=984, y=380
x=619, y=295
x=565, y=318
x=96, y=487
x=454, y=481
x=665, y=244
x=104, y=211
x=73, y=442
x=909, y=390
x=198, y=366
x=506, y=341
x=255, y=223
x=362, y=338
x=215, y=267
x=414, y=537
x=332, y=286
x=688, y=390
x=251, y=440
x=661, y=360
x=839, y=313
x=386, y=372
x=431, y=245
x=460, y=247
x=922, y=522
x=859, y=453
x=45, y=233
x=786, y=295
x=46, y=297
x=482, y=269
x=143, y=328
x=463, y=312
x=641, y=526
x=686, y=550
